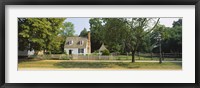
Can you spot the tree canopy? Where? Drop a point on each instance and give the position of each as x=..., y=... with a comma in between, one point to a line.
x=83, y=33
x=66, y=31
x=122, y=35
x=38, y=33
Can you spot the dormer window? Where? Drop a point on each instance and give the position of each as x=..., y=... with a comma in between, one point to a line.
x=81, y=42
x=70, y=42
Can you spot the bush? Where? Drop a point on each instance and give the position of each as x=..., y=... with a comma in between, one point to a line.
x=96, y=51
x=64, y=52
x=48, y=52
x=32, y=56
x=56, y=52
x=105, y=52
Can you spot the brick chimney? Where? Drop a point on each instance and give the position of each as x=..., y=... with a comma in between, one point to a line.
x=89, y=43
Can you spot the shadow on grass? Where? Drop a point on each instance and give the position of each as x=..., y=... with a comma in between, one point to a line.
x=28, y=60
x=93, y=65
x=178, y=63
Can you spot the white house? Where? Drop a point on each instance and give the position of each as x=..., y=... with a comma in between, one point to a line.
x=25, y=52
x=78, y=45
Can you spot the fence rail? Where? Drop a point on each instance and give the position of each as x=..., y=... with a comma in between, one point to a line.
x=146, y=56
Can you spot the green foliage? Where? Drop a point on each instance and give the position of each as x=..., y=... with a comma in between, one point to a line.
x=66, y=31
x=121, y=34
x=39, y=33
x=177, y=23
x=110, y=31
x=64, y=57
x=96, y=30
x=174, y=42
x=115, y=30
x=118, y=34
x=105, y=52
x=84, y=33
x=171, y=38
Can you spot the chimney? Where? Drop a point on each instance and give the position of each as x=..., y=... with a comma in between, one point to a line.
x=88, y=35
x=89, y=43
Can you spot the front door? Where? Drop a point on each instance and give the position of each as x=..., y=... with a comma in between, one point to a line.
x=70, y=52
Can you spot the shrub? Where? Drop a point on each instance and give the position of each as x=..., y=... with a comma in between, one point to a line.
x=64, y=57
x=96, y=51
x=32, y=56
x=56, y=52
x=105, y=52
x=64, y=52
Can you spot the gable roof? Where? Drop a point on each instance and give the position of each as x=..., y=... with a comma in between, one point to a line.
x=76, y=42
x=102, y=48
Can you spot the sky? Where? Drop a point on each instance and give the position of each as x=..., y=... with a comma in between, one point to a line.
x=81, y=23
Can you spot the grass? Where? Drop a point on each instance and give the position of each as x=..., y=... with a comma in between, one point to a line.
x=124, y=57
x=63, y=64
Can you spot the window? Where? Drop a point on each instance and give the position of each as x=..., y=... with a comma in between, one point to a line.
x=70, y=42
x=81, y=42
x=80, y=50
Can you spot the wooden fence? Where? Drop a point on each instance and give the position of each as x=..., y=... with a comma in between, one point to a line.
x=141, y=56
x=164, y=55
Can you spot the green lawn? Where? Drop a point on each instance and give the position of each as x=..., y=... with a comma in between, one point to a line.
x=124, y=57
x=62, y=64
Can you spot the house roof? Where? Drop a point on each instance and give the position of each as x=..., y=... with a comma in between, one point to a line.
x=102, y=48
x=76, y=42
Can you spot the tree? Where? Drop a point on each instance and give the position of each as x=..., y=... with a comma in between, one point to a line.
x=52, y=43
x=38, y=33
x=66, y=31
x=109, y=31
x=84, y=33
x=171, y=37
x=139, y=28
x=177, y=23
x=96, y=29
x=56, y=43
x=114, y=33
x=174, y=42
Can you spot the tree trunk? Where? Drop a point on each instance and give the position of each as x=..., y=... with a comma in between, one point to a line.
x=63, y=48
x=160, y=59
x=133, y=56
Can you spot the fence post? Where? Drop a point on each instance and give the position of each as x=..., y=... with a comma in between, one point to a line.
x=99, y=57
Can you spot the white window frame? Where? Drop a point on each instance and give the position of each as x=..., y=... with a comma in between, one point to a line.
x=81, y=49
x=81, y=42
x=70, y=42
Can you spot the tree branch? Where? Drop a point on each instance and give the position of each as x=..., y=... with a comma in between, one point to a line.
x=151, y=28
